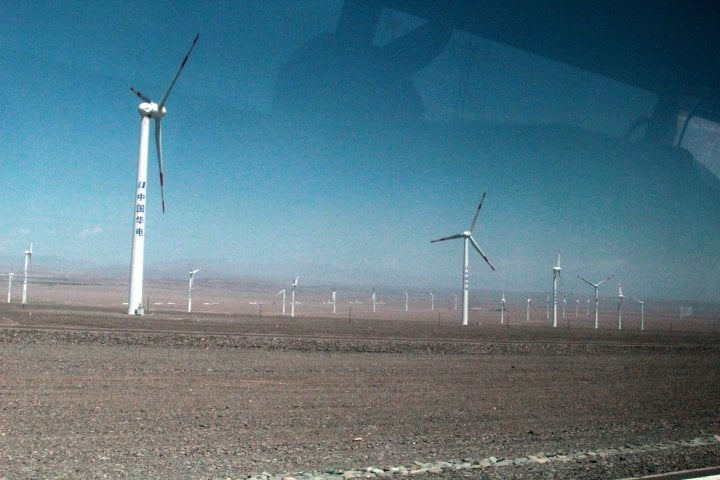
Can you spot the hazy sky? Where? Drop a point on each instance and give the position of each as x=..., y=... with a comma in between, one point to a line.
x=292, y=150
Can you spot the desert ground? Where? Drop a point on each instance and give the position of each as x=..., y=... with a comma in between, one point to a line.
x=227, y=391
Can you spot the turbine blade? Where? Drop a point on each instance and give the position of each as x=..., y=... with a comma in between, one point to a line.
x=452, y=237
x=608, y=278
x=586, y=281
x=177, y=74
x=158, y=145
x=477, y=212
x=140, y=95
x=477, y=247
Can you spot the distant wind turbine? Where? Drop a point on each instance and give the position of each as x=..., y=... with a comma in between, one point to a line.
x=334, y=299
x=547, y=308
x=283, y=304
x=432, y=301
x=467, y=239
x=556, y=277
x=597, y=298
x=455, y=298
x=292, y=298
x=620, y=299
x=191, y=274
x=502, y=309
x=527, y=310
x=642, y=314
x=10, y=279
x=374, y=302
x=406, y=301
x=28, y=255
x=148, y=110
x=577, y=307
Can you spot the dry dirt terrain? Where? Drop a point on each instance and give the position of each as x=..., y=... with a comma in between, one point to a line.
x=89, y=392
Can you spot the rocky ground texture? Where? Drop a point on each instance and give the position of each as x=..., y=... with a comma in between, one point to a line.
x=89, y=395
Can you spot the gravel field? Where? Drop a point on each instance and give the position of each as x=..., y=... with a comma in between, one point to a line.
x=224, y=397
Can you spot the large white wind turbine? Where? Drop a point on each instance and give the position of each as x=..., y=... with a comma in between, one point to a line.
x=191, y=275
x=28, y=255
x=10, y=279
x=147, y=109
x=292, y=297
x=642, y=314
x=467, y=239
x=595, y=286
x=620, y=299
x=283, y=304
x=556, y=277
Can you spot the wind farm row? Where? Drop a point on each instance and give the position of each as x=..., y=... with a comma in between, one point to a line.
x=137, y=303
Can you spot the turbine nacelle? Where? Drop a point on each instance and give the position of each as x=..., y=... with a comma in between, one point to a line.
x=152, y=110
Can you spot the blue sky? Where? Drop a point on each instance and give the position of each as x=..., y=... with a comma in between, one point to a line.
x=341, y=188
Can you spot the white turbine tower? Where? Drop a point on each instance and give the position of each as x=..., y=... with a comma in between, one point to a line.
x=595, y=286
x=334, y=300
x=148, y=110
x=467, y=239
x=406, y=300
x=292, y=298
x=191, y=274
x=502, y=309
x=620, y=299
x=556, y=277
x=642, y=314
x=283, y=304
x=374, y=301
x=577, y=307
x=547, y=308
x=10, y=279
x=455, y=299
x=432, y=301
x=527, y=310
x=28, y=256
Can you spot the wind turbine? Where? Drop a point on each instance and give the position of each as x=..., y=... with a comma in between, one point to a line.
x=283, y=294
x=191, y=274
x=527, y=310
x=642, y=314
x=432, y=301
x=556, y=277
x=10, y=279
x=547, y=308
x=334, y=298
x=373, y=300
x=292, y=298
x=455, y=298
x=467, y=239
x=620, y=299
x=406, y=300
x=28, y=255
x=595, y=286
x=148, y=110
x=502, y=309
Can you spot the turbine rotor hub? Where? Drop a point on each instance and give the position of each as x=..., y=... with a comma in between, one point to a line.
x=151, y=109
